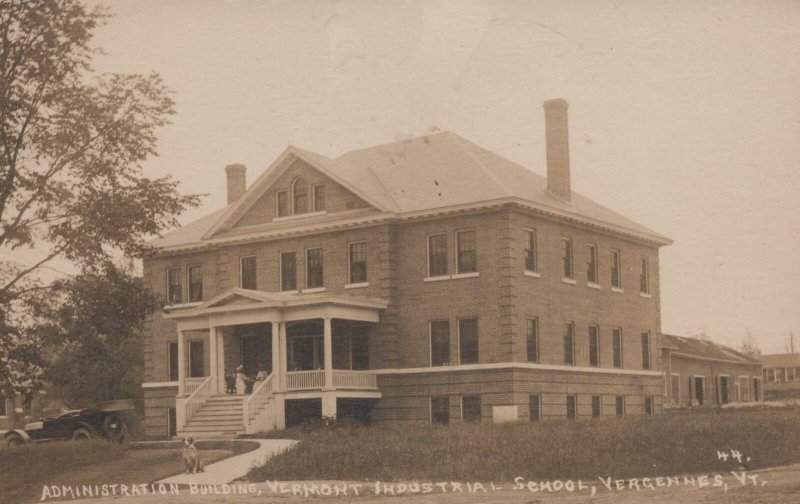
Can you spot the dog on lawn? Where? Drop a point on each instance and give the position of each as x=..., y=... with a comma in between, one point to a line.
x=191, y=457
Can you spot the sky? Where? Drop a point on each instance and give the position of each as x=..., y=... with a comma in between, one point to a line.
x=684, y=116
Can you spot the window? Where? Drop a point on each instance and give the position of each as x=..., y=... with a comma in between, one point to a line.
x=172, y=351
x=616, y=273
x=195, y=283
x=471, y=408
x=595, y=406
x=468, y=341
x=534, y=408
x=619, y=405
x=644, y=276
x=675, y=382
x=569, y=343
x=532, y=337
x=440, y=410
x=566, y=256
x=3, y=409
x=440, y=343
x=358, y=263
x=247, y=272
x=288, y=271
x=196, y=359
x=571, y=407
x=648, y=405
x=300, y=196
x=174, y=286
x=465, y=246
x=645, y=350
x=314, y=273
x=744, y=387
x=319, y=198
x=616, y=343
x=283, y=203
x=594, y=345
x=437, y=255
x=531, y=259
x=591, y=263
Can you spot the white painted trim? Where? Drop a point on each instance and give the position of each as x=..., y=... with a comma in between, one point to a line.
x=183, y=305
x=593, y=285
x=471, y=274
x=570, y=281
x=436, y=278
x=515, y=365
x=313, y=290
x=533, y=274
x=647, y=296
x=617, y=290
x=356, y=285
x=166, y=384
x=299, y=216
x=713, y=359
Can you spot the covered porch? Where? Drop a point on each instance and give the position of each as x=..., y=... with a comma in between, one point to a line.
x=290, y=345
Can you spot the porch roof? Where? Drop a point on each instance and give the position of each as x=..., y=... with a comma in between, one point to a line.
x=243, y=306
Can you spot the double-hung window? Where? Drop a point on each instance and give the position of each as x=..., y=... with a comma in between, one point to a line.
x=440, y=343
x=616, y=343
x=437, y=255
x=468, y=341
x=645, y=350
x=532, y=338
x=174, y=286
x=594, y=345
x=531, y=259
x=247, y=272
x=566, y=257
x=569, y=343
x=288, y=271
x=314, y=270
x=358, y=263
x=319, y=198
x=616, y=271
x=467, y=254
x=644, y=276
x=591, y=263
x=195, y=274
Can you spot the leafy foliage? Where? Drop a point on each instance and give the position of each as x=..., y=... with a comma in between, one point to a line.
x=72, y=144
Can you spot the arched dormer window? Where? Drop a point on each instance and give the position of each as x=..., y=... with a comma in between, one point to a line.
x=300, y=196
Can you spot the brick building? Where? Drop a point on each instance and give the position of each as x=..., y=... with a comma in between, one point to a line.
x=703, y=373
x=423, y=280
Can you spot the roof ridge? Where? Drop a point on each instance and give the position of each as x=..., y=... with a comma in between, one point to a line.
x=395, y=142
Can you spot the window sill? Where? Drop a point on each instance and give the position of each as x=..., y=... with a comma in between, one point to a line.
x=645, y=295
x=299, y=216
x=533, y=274
x=436, y=278
x=182, y=305
x=290, y=292
x=313, y=290
x=617, y=290
x=471, y=274
x=356, y=285
x=593, y=285
x=570, y=281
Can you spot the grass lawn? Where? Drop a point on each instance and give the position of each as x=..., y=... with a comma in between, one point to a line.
x=24, y=470
x=622, y=447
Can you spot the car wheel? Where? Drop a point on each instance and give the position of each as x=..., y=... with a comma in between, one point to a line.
x=113, y=427
x=81, y=434
x=14, y=439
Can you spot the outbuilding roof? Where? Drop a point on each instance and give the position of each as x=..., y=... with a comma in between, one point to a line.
x=432, y=173
x=705, y=349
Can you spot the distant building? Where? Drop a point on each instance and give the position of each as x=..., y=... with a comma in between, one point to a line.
x=703, y=373
x=781, y=371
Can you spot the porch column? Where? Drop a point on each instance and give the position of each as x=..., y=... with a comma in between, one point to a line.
x=277, y=372
x=181, y=364
x=220, y=362
x=283, y=363
x=212, y=356
x=327, y=339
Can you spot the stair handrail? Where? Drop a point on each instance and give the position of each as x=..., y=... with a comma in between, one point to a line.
x=258, y=398
x=198, y=397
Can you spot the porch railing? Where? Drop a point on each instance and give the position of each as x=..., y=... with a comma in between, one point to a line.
x=354, y=379
x=304, y=380
x=191, y=384
x=199, y=396
x=257, y=400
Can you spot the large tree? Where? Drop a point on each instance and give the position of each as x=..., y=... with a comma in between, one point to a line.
x=93, y=338
x=72, y=144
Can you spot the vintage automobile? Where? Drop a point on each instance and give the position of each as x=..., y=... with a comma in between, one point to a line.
x=104, y=420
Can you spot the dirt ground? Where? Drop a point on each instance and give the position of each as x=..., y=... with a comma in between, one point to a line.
x=773, y=486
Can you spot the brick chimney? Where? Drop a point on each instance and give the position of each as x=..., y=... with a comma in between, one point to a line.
x=237, y=181
x=557, y=139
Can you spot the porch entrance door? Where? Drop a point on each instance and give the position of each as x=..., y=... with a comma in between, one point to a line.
x=256, y=348
x=724, y=394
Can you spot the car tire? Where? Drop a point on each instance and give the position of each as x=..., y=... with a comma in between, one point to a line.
x=113, y=427
x=14, y=440
x=81, y=434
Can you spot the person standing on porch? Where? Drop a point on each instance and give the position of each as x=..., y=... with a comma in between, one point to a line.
x=241, y=384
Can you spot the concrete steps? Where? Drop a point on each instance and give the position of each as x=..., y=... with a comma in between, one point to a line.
x=219, y=416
